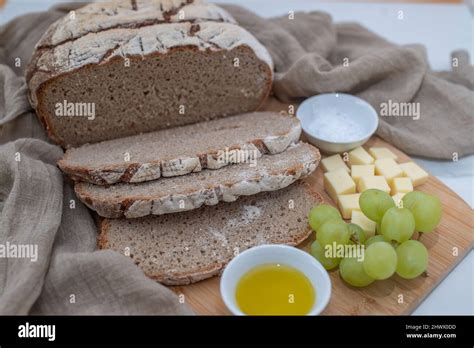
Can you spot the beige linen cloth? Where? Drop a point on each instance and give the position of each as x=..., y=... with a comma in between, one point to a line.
x=71, y=276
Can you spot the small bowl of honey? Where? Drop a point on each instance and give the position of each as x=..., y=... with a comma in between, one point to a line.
x=275, y=280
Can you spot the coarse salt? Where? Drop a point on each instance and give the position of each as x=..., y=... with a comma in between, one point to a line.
x=335, y=126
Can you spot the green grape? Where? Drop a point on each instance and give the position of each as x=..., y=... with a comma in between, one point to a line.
x=374, y=203
x=425, y=208
x=371, y=240
x=333, y=231
x=380, y=261
x=322, y=213
x=398, y=224
x=357, y=233
x=352, y=271
x=318, y=253
x=412, y=259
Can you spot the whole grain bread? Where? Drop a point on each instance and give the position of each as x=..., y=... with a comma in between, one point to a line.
x=179, y=249
x=208, y=187
x=122, y=68
x=181, y=150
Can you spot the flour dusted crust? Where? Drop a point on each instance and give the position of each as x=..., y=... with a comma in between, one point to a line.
x=204, y=235
x=133, y=206
x=136, y=172
x=101, y=32
x=159, y=35
x=102, y=16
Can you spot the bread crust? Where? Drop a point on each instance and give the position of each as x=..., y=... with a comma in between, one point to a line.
x=206, y=29
x=135, y=172
x=122, y=14
x=212, y=269
x=102, y=242
x=134, y=206
x=130, y=14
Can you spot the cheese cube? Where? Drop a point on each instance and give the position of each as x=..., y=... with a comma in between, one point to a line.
x=388, y=168
x=382, y=152
x=417, y=175
x=360, y=156
x=359, y=170
x=367, y=225
x=348, y=203
x=401, y=185
x=397, y=199
x=338, y=183
x=373, y=182
x=333, y=163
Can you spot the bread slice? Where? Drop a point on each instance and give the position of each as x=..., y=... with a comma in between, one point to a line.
x=120, y=69
x=208, y=187
x=181, y=150
x=179, y=249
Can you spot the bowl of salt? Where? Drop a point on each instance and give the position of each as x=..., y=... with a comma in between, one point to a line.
x=337, y=122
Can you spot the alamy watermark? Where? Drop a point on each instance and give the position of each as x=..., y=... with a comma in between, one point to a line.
x=20, y=251
x=335, y=250
x=37, y=331
x=392, y=108
x=236, y=156
x=69, y=109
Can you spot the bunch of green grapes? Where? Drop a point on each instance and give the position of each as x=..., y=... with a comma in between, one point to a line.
x=390, y=251
x=331, y=230
x=419, y=212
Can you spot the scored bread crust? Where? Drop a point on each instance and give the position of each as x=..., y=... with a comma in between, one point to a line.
x=66, y=45
x=134, y=206
x=136, y=29
x=135, y=172
x=102, y=47
x=101, y=16
x=213, y=268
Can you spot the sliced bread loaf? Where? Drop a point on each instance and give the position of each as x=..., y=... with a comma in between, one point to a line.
x=181, y=150
x=208, y=187
x=131, y=67
x=179, y=249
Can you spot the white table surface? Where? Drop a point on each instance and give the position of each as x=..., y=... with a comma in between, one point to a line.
x=442, y=29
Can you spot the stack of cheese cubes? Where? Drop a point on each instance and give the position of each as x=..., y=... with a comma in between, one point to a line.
x=376, y=169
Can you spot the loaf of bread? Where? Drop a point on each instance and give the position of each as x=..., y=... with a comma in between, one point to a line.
x=121, y=68
x=207, y=187
x=181, y=150
x=179, y=249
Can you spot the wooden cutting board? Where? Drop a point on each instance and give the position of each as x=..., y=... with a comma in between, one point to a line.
x=447, y=246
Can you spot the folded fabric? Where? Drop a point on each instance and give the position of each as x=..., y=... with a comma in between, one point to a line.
x=312, y=55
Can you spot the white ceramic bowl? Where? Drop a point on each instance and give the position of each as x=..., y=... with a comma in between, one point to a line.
x=282, y=254
x=337, y=122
